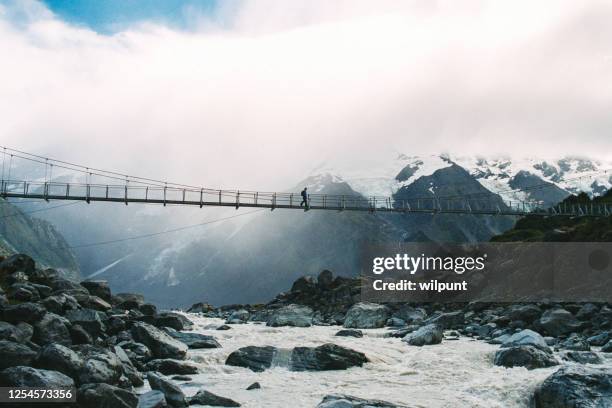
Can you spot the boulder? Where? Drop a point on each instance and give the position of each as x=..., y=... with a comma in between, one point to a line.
x=152, y=399
x=576, y=387
x=607, y=348
x=105, y=396
x=160, y=344
x=138, y=353
x=526, y=338
x=200, y=308
x=575, y=342
x=18, y=263
x=347, y=401
x=410, y=315
x=59, y=304
x=254, y=357
x=127, y=301
x=174, y=395
x=529, y=357
x=254, y=386
x=129, y=370
x=169, y=366
x=52, y=329
x=174, y=320
x=15, y=333
x=525, y=313
x=600, y=339
x=291, y=315
x=95, y=303
x=60, y=358
x=79, y=335
x=447, y=321
x=587, y=311
x=325, y=357
x=66, y=286
x=206, y=398
x=366, y=315
x=238, y=317
x=426, y=335
x=22, y=376
x=14, y=354
x=349, y=333
x=557, y=322
x=23, y=312
x=101, y=365
x=582, y=357
x=148, y=309
x=88, y=319
x=98, y=288
x=193, y=340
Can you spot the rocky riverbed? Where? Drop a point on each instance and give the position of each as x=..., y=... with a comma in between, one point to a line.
x=315, y=346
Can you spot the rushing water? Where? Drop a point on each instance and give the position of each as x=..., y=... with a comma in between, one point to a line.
x=454, y=374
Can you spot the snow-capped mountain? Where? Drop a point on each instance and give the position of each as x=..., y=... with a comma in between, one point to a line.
x=528, y=179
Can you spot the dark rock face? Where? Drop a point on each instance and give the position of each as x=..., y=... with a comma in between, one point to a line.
x=525, y=313
x=14, y=333
x=52, y=329
x=582, y=357
x=529, y=357
x=98, y=288
x=23, y=312
x=576, y=387
x=160, y=344
x=60, y=358
x=557, y=322
x=256, y=358
x=22, y=376
x=88, y=319
x=254, y=386
x=169, y=366
x=18, y=263
x=204, y=397
x=174, y=395
x=365, y=315
x=193, y=340
x=174, y=320
x=347, y=401
x=326, y=357
x=291, y=315
x=607, y=348
x=449, y=320
x=101, y=366
x=152, y=399
x=138, y=353
x=127, y=301
x=526, y=338
x=426, y=335
x=105, y=396
x=129, y=370
x=349, y=333
x=15, y=354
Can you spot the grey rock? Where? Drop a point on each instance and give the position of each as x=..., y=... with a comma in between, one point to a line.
x=22, y=376
x=582, y=357
x=529, y=357
x=291, y=315
x=18, y=262
x=193, y=340
x=79, y=335
x=325, y=357
x=148, y=309
x=101, y=366
x=174, y=395
x=152, y=399
x=254, y=386
x=98, y=288
x=349, y=333
x=447, y=321
x=204, y=397
x=426, y=335
x=600, y=339
x=23, y=312
x=14, y=332
x=366, y=315
x=575, y=342
x=127, y=301
x=526, y=338
x=138, y=353
x=60, y=358
x=174, y=320
x=51, y=329
x=557, y=322
x=129, y=370
x=169, y=366
x=14, y=354
x=347, y=401
x=607, y=348
x=105, y=396
x=576, y=387
x=238, y=316
x=254, y=357
x=88, y=319
x=525, y=313
x=160, y=344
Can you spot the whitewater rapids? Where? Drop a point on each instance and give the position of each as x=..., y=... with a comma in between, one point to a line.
x=457, y=373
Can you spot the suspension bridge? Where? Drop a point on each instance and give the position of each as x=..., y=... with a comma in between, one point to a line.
x=112, y=187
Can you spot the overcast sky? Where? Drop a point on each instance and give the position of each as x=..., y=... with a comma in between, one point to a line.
x=257, y=94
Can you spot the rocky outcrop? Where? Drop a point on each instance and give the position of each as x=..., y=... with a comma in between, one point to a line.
x=365, y=315
x=529, y=357
x=576, y=386
x=207, y=398
x=426, y=335
x=291, y=315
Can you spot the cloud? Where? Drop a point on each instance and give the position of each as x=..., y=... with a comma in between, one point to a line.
x=263, y=92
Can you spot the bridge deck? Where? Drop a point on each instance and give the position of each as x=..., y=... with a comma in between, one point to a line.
x=252, y=199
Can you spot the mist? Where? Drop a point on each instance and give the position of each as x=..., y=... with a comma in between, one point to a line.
x=260, y=93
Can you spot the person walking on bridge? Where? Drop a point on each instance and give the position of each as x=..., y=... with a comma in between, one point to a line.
x=304, y=197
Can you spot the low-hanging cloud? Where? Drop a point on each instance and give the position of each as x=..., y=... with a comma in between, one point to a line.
x=262, y=92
